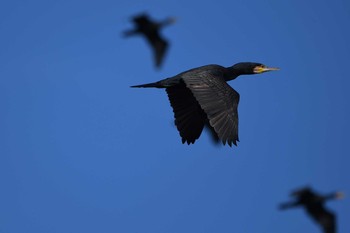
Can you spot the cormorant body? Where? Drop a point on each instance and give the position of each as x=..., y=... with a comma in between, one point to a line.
x=313, y=204
x=151, y=31
x=201, y=97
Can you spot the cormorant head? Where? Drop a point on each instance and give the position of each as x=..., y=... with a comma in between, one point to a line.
x=339, y=195
x=252, y=68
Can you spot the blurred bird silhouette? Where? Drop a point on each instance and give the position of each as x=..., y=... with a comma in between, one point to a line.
x=314, y=206
x=201, y=97
x=151, y=31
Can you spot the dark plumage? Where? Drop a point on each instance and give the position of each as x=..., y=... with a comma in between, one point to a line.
x=201, y=96
x=151, y=31
x=314, y=206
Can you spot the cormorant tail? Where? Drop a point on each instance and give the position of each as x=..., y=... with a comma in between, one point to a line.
x=156, y=84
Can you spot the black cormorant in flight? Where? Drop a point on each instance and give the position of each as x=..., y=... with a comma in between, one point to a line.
x=201, y=96
x=314, y=206
x=150, y=30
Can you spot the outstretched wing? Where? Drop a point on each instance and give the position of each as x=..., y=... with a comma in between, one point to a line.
x=327, y=220
x=329, y=225
x=159, y=46
x=219, y=101
x=189, y=117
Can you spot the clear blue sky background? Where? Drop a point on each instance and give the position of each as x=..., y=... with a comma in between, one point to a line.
x=80, y=151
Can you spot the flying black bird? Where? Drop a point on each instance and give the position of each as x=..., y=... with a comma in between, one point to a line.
x=201, y=96
x=150, y=30
x=314, y=206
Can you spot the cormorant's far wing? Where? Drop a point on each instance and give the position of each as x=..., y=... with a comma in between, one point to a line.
x=327, y=221
x=189, y=117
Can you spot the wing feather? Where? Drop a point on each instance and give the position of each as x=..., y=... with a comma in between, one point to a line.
x=189, y=117
x=219, y=101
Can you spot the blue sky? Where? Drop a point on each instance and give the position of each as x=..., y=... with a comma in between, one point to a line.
x=83, y=152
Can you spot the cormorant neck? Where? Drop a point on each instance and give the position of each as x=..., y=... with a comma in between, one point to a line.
x=329, y=196
x=232, y=73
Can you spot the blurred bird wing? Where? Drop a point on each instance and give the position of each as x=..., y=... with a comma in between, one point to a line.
x=328, y=222
x=189, y=117
x=159, y=49
x=219, y=101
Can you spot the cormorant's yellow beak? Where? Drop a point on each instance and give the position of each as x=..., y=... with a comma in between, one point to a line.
x=172, y=20
x=262, y=69
x=339, y=195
